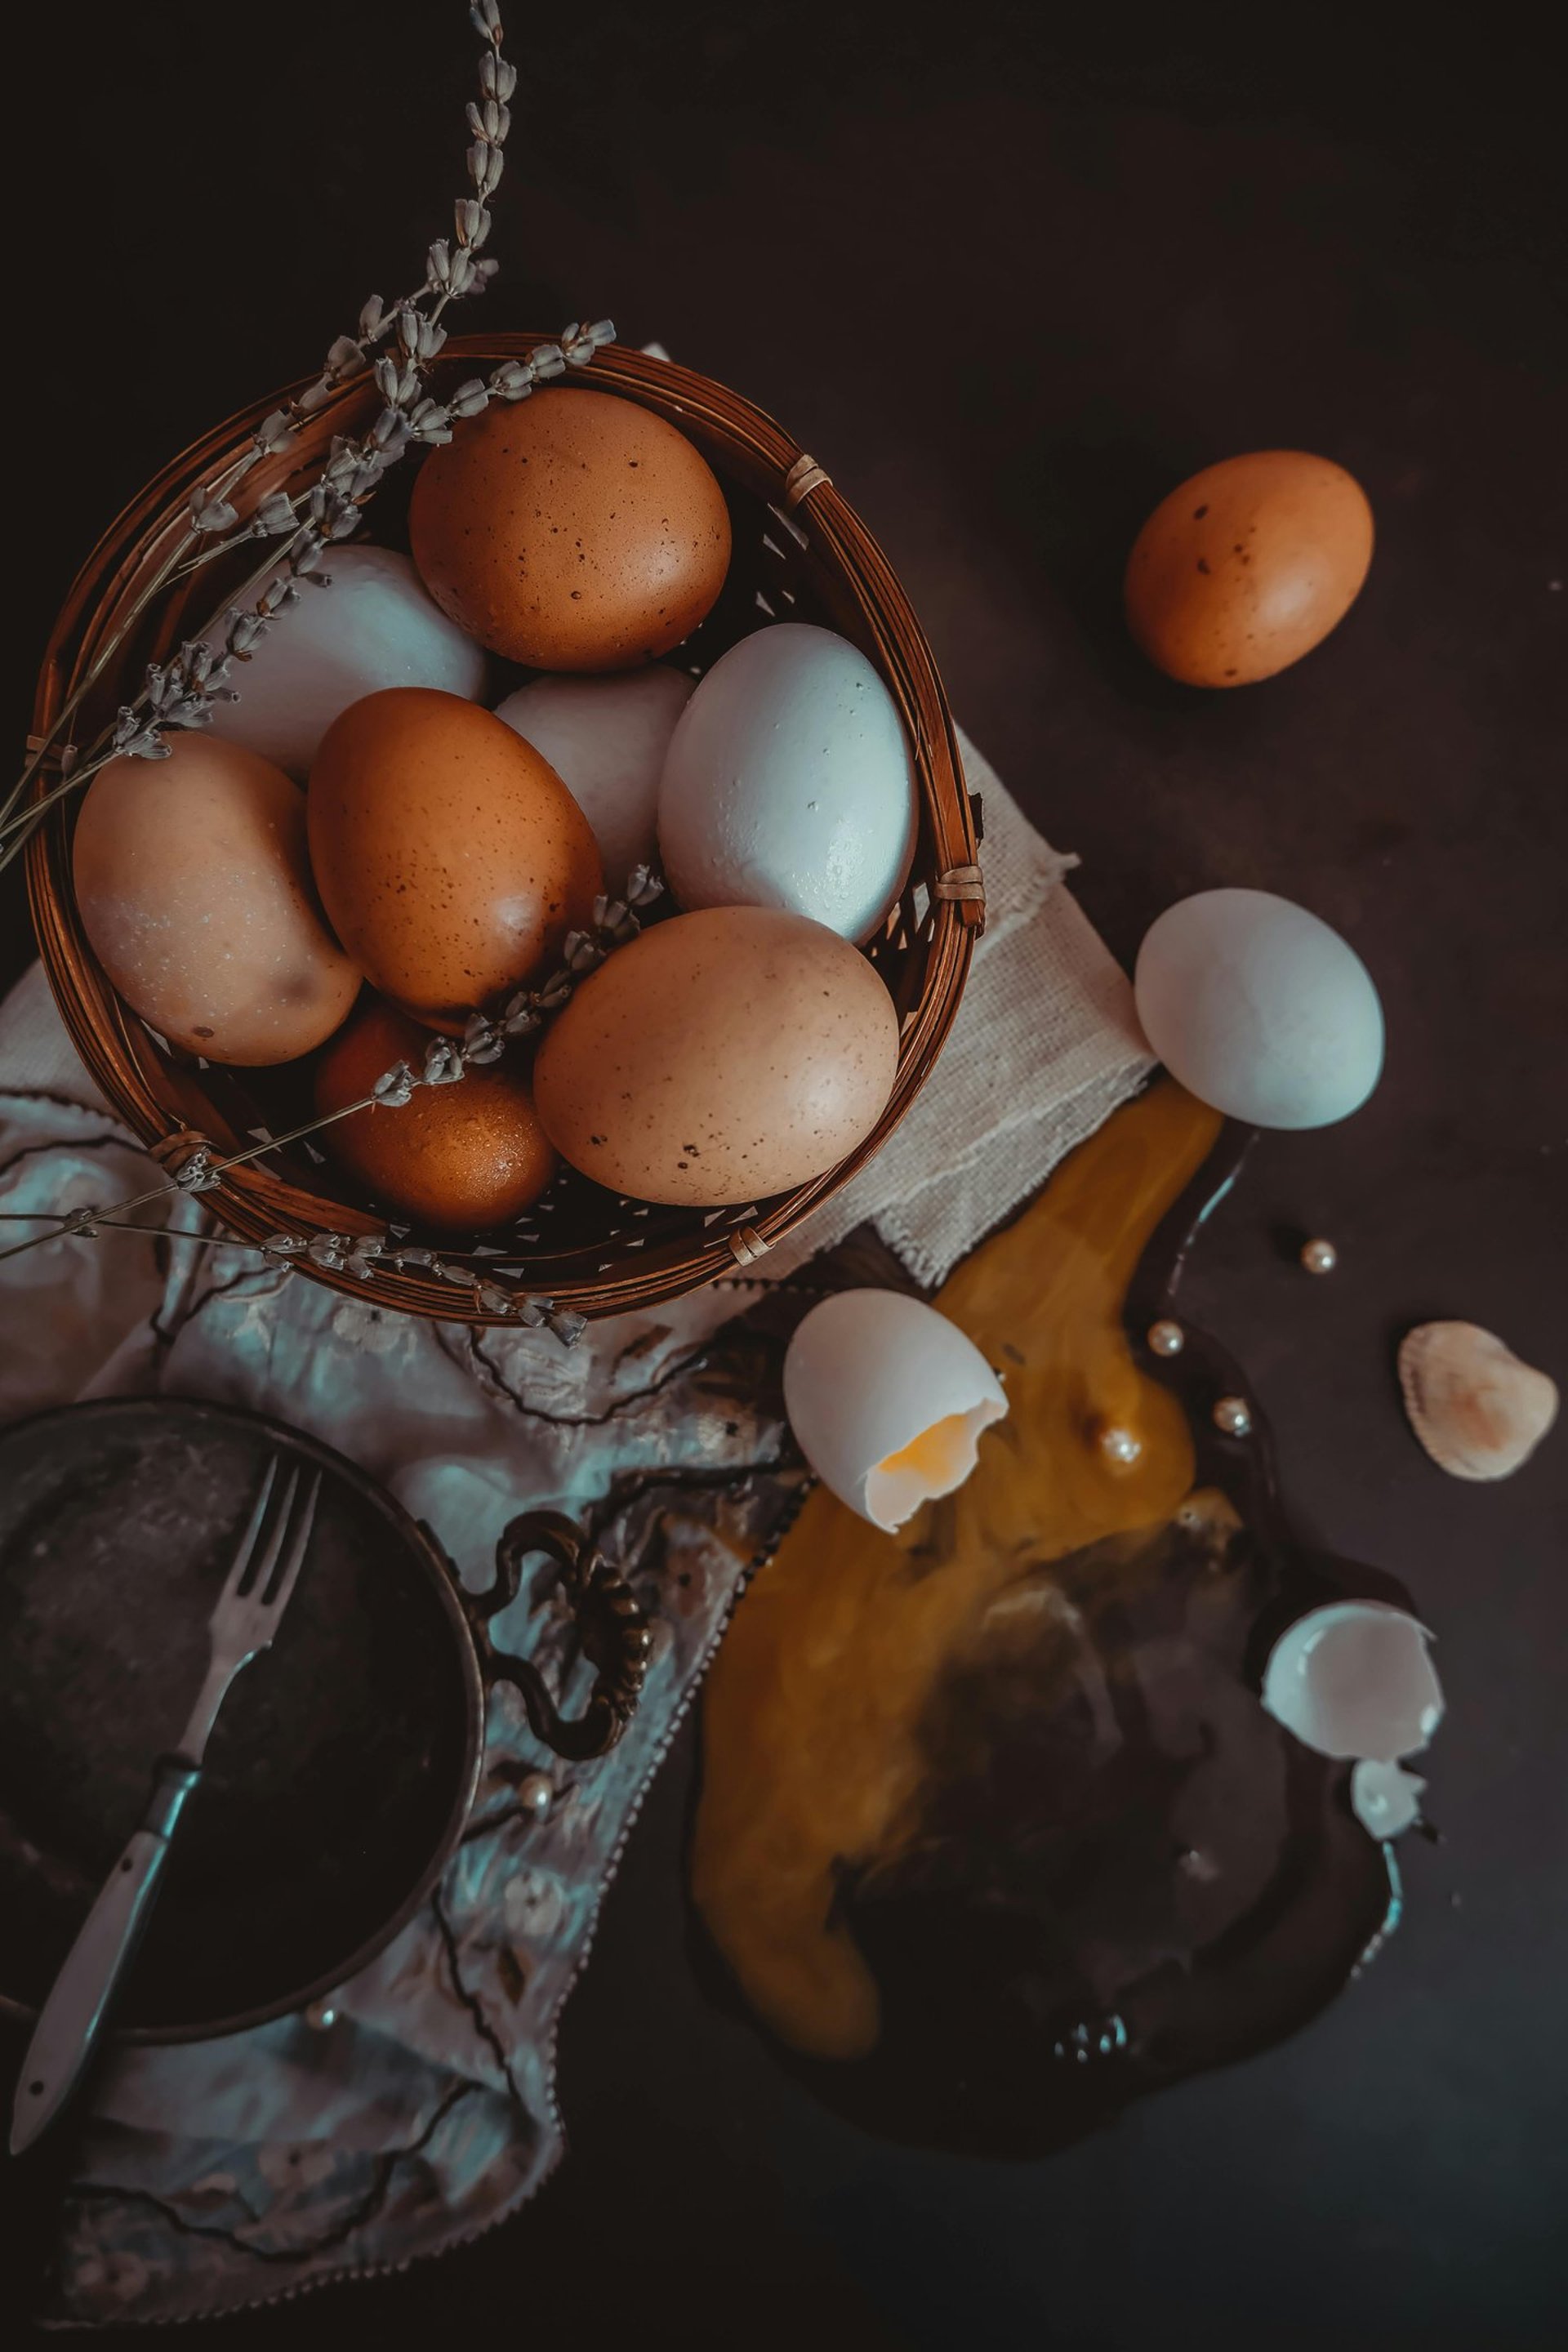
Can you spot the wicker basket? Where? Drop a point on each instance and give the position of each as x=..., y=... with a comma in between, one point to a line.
x=799, y=551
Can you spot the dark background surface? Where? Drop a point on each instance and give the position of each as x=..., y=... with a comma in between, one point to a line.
x=1010, y=279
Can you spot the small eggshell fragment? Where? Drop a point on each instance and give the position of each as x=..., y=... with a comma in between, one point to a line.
x=1386, y=1799
x=888, y=1400
x=605, y=738
x=451, y=858
x=721, y=1056
x=788, y=783
x=194, y=887
x=460, y=1156
x=1259, y=1008
x=1354, y=1678
x=1248, y=566
x=573, y=531
x=375, y=626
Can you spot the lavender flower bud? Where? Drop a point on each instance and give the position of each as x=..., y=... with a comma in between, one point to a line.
x=275, y=432
x=511, y=380
x=485, y=17
x=496, y=1301
x=430, y=421
x=470, y=398
x=371, y=317
x=439, y=263
x=275, y=514
x=211, y=514
x=317, y=396
x=344, y=358
x=548, y=360
x=416, y=1258
x=473, y=222
x=497, y=78
x=443, y=1063
x=481, y=1042
x=243, y=631
x=564, y=1321
x=394, y=1087
x=484, y=272
x=485, y=164
x=460, y=274
x=284, y=1244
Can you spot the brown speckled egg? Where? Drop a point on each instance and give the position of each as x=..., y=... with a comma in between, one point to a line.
x=1248, y=566
x=722, y=1056
x=574, y=531
x=450, y=858
x=461, y=1157
x=195, y=889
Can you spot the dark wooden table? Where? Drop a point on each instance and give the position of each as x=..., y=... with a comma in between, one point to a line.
x=1010, y=280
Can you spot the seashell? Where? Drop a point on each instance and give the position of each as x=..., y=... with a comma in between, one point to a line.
x=1476, y=1407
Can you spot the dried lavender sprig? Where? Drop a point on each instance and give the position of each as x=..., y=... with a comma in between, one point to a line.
x=211, y=509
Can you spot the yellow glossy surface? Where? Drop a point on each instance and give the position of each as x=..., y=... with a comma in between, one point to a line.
x=811, y=1753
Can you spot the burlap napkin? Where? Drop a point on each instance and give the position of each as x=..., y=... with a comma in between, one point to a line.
x=217, y=2175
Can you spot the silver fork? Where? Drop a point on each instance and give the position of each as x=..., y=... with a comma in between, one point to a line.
x=249, y=1612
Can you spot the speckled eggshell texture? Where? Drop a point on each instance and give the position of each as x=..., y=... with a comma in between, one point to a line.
x=1248, y=566
x=462, y=1157
x=450, y=858
x=573, y=531
x=721, y=1057
x=194, y=887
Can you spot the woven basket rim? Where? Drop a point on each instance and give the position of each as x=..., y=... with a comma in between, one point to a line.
x=254, y=1202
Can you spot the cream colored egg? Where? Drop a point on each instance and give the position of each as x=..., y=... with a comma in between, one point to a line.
x=605, y=737
x=888, y=1400
x=194, y=885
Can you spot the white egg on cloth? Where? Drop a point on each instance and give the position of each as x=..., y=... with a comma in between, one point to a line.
x=605, y=736
x=788, y=783
x=1259, y=1008
x=377, y=625
x=888, y=1400
x=1354, y=1679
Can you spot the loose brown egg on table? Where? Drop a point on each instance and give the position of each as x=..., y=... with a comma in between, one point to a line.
x=574, y=531
x=450, y=858
x=1248, y=566
x=722, y=1056
x=460, y=1156
x=194, y=886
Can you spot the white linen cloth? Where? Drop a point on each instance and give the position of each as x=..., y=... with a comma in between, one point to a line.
x=220, y=2174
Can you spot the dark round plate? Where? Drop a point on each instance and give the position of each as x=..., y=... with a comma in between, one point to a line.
x=342, y=1763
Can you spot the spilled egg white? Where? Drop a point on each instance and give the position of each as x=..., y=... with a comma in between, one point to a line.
x=1356, y=1679
x=1259, y=1008
x=788, y=783
x=888, y=1400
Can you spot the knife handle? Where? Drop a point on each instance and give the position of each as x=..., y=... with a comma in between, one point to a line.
x=72, y=2016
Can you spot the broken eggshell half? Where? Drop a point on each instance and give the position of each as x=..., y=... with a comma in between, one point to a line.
x=888, y=1400
x=1354, y=1679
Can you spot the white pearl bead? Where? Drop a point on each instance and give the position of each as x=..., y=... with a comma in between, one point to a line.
x=1167, y=1338
x=1319, y=1257
x=321, y=2015
x=1120, y=1444
x=534, y=1795
x=1232, y=1417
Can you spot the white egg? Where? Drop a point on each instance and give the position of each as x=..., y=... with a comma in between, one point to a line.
x=375, y=626
x=1356, y=1679
x=605, y=737
x=1259, y=1008
x=788, y=783
x=887, y=1400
